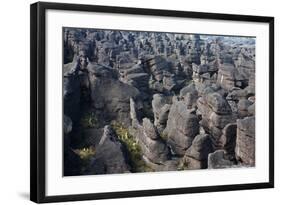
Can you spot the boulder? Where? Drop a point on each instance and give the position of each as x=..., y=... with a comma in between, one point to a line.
x=200, y=148
x=218, y=160
x=218, y=104
x=243, y=106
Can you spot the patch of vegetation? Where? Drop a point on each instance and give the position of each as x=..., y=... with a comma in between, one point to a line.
x=89, y=120
x=183, y=165
x=164, y=136
x=85, y=153
x=135, y=153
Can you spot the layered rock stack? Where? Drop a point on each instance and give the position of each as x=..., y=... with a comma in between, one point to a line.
x=245, y=143
x=216, y=113
x=182, y=127
x=153, y=147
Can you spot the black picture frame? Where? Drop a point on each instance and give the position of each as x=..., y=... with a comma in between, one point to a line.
x=38, y=101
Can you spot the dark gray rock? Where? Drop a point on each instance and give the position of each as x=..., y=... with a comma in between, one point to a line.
x=149, y=129
x=190, y=95
x=153, y=147
x=243, y=106
x=71, y=96
x=228, y=138
x=113, y=96
x=218, y=104
x=245, y=142
x=135, y=69
x=72, y=163
x=67, y=124
x=229, y=77
x=182, y=127
x=218, y=160
x=200, y=148
x=251, y=110
x=110, y=156
x=161, y=107
x=215, y=112
x=169, y=82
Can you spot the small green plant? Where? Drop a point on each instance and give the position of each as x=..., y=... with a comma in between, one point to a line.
x=164, y=136
x=89, y=120
x=137, y=163
x=85, y=153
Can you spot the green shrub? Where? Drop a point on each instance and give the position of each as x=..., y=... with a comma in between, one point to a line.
x=164, y=136
x=85, y=153
x=135, y=153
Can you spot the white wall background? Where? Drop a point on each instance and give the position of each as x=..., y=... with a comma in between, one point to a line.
x=14, y=101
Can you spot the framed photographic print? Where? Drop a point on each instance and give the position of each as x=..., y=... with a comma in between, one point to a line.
x=129, y=102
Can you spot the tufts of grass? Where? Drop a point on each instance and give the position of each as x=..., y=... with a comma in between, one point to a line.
x=89, y=120
x=135, y=153
x=164, y=136
x=85, y=153
x=183, y=165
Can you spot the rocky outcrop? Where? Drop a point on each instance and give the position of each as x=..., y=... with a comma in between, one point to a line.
x=218, y=160
x=190, y=95
x=197, y=154
x=229, y=77
x=110, y=156
x=161, y=107
x=216, y=113
x=228, y=138
x=174, y=101
x=245, y=141
x=153, y=147
x=243, y=106
x=71, y=95
x=182, y=127
x=111, y=95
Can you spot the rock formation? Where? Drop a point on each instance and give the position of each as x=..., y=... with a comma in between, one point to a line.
x=153, y=101
x=110, y=155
